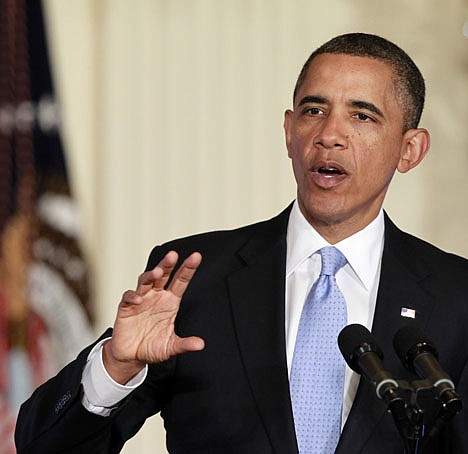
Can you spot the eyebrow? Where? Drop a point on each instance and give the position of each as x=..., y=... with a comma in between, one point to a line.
x=368, y=106
x=354, y=103
x=313, y=100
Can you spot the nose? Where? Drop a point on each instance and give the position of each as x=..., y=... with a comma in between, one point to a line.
x=332, y=133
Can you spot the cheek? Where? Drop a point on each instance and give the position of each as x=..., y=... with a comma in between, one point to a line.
x=299, y=168
x=378, y=150
x=302, y=137
x=298, y=152
x=377, y=167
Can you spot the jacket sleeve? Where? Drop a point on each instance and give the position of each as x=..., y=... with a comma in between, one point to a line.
x=48, y=420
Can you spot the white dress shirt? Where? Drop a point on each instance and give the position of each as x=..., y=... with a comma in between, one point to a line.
x=358, y=280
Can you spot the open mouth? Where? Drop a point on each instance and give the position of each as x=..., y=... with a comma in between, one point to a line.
x=332, y=171
x=327, y=175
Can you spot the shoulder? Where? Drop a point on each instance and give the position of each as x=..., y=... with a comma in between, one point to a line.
x=223, y=243
x=414, y=250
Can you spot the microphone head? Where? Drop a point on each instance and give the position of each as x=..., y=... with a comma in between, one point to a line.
x=354, y=341
x=409, y=342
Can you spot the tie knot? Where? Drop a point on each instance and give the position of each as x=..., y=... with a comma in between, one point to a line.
x=332, y=260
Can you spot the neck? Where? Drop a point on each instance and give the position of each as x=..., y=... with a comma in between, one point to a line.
x=335, y=231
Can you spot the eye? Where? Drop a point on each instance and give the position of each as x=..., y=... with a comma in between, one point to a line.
x=363, y=117
x=313, y=111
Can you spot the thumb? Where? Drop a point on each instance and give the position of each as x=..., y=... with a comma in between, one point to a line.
x=189, y=344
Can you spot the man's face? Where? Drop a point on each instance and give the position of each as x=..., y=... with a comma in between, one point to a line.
x=345, y=141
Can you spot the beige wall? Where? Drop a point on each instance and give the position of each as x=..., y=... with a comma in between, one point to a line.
x=173, y=115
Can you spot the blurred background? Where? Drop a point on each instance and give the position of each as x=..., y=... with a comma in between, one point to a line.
x=171, y=116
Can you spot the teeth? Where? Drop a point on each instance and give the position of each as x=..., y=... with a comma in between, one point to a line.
x=329, y=170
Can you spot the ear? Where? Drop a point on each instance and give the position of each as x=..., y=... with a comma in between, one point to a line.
x=414, y=147
x=287, y=129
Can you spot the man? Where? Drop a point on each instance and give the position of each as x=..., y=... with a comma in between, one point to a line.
x=209, y=339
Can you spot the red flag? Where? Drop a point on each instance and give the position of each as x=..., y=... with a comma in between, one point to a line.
x=44, y=304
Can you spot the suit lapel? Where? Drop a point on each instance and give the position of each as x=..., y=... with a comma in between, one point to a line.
x=257, y=298
x=399, y=287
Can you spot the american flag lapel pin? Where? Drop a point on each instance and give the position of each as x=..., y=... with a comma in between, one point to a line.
x=407, y=312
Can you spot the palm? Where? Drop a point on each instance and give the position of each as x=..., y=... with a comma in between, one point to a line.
x=144, y=327
x=146, y=332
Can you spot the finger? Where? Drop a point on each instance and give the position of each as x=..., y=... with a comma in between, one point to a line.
x=130, y=297
x=188, y=344
x=184, y=274
x=157, y=277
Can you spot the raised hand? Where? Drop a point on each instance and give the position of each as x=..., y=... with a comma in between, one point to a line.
x=144, y=326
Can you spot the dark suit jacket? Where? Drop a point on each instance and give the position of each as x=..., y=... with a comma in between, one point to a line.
x=233, y=397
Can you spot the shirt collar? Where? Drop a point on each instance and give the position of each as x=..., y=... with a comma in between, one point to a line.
x=363, y=250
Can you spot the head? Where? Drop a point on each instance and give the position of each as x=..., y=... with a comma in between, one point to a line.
x=408, y=80
x=348, y=132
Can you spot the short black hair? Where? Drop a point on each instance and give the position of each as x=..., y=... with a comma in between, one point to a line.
x=409, y=82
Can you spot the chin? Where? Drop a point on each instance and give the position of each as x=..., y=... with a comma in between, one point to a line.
x=319, y=216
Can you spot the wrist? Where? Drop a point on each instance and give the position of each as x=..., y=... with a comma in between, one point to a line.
x=120, y=371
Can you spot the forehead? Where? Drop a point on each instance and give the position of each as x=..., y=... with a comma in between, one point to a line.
x=341, y=74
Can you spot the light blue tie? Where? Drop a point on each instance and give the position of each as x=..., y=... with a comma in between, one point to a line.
x=317, y=371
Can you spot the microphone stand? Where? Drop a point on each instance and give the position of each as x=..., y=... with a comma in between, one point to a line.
x=406, y=414
x=407, y=406
x=415, y=432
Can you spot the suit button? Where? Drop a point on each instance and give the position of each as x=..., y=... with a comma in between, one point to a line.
x=62, y=402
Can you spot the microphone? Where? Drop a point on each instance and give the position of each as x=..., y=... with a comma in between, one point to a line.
x=362, y=354
x=420, y=356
